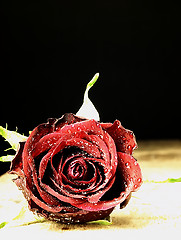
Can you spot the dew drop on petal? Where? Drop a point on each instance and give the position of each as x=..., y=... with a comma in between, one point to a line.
x=125, y=184
x=129, y=147
x=131, y=134
x=130, y=179
x=127, y=165
x=139, y=180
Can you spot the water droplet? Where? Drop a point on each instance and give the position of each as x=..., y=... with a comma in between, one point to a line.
x=130, y=179
x=125, y=184
x=131, y=134
x=129, y=147
x=127, y=165
x=67, y=219
x=139, y=180
x=123, y=138
x=135, y=163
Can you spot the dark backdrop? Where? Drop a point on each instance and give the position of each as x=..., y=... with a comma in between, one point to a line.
x=51, y=49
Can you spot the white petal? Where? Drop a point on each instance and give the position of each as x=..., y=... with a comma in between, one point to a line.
x=87, y=109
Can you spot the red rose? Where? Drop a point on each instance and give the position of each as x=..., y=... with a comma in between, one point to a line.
x=77, y=170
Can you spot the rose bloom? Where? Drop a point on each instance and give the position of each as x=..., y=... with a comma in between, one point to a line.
x=74, y=170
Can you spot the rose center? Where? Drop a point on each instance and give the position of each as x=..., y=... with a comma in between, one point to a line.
x=76, y=169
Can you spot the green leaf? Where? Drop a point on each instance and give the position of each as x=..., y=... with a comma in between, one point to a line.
x=12, y=137
x=87, y=109
x=105, y=221
x=7, y=158
x=41, y=220
x=173, y=180
x=3, y=224
x=101, y=222
x=168, y=180
x=21, y=214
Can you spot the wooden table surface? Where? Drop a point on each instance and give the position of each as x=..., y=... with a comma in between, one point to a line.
x=154, y=209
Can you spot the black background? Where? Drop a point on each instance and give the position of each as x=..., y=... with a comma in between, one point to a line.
x=51, y=49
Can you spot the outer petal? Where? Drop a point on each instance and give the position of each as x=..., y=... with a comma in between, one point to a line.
x=67, y=119
x=77, y=216
x=35, y=136
x=31, y=198
x=88, y=126
x=130, y=170
x=104, y=205
x=124, y=139
x=112, y=151
x=16, y=164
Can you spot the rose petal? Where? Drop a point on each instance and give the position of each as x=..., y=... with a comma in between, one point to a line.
x=96, y=197
x=124, y=139
x=20, y=182
x=60, y=196
x=45, y=143
x=130, y=170
x=50, y=140
x=88, y=126
x=103, y=205
x=67, y=119
x=40, y=131
x=43, y=164
x=17, y=164
x=35, y=136
x=86, y=146
x=101, y=145
x=29, y=164
x=112, y=151
x=46, y=197
x=79, y=216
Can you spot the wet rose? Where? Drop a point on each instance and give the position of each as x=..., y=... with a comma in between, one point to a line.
x=74, y=169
